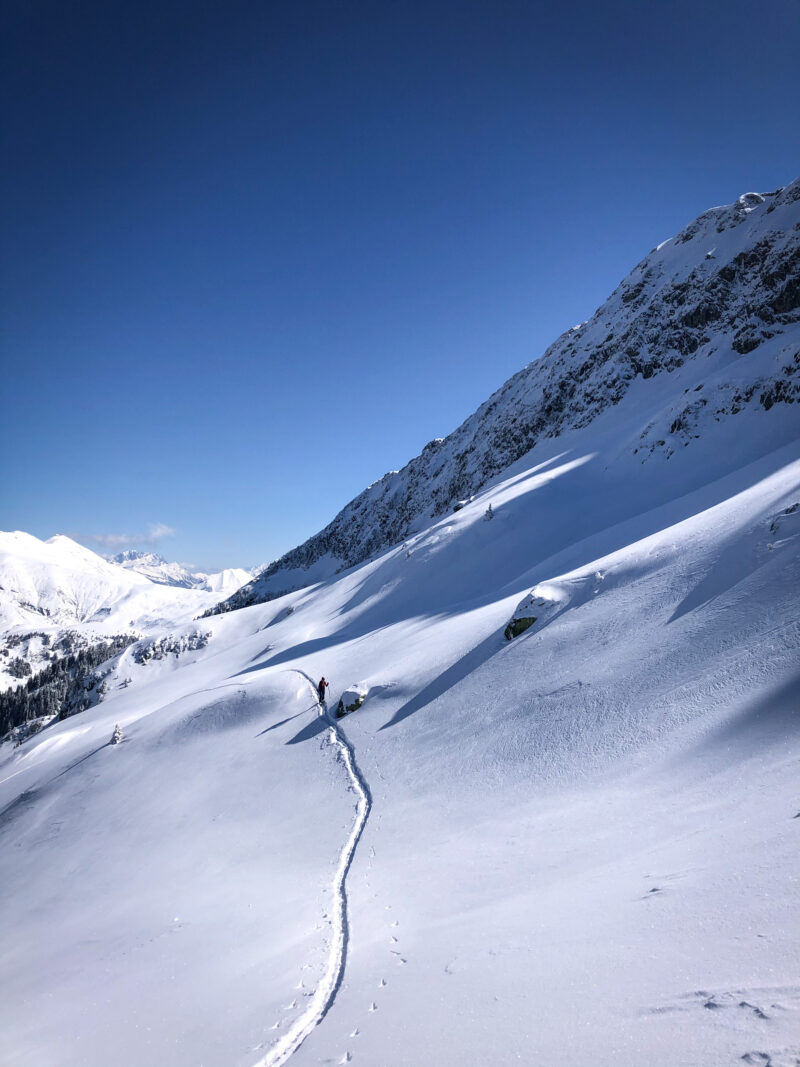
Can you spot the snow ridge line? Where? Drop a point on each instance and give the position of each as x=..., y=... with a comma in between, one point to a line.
x=325, y=993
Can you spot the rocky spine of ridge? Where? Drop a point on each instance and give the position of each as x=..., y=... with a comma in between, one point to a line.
x=725, y=285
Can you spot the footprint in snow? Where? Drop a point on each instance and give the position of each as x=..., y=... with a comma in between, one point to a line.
x=288, y=1007
x=276, y=1026
x=373, y=1006
x=356, y=1032
x=394, y=940
x=382, y=983
x=346, y=1058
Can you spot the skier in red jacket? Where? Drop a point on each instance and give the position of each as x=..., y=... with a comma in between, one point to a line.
x=323, y=685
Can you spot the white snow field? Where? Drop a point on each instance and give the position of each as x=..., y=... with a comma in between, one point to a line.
x=581, y=847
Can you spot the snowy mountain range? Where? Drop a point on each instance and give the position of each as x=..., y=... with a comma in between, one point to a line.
x=705, y=327
x=50, y=588
x=158, y=570
x=559, y=824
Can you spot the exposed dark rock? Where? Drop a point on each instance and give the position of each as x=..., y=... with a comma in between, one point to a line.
x=518, y=626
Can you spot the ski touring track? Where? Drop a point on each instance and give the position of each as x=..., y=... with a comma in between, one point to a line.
x=325, y=994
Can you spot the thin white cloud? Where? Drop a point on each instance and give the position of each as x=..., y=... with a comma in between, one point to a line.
x=156, y=531
x=159, y=530
x=111, y=540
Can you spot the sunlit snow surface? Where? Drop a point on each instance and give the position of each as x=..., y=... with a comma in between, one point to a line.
x=582, y=846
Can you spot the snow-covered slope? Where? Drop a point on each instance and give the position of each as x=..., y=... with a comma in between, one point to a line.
x=578, y=846
x=226, y=580
x=720, y=303
x=57, y=580
x=50, y=587
x=158, y=570
x=581, y=846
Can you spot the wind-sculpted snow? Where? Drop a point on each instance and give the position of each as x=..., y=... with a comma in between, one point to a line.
x=723, y=296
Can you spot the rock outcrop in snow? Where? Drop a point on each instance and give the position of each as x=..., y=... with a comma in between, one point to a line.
x=352, y=699
x=723, y=295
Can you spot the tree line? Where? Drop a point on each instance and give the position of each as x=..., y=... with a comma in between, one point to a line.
x=63, y=688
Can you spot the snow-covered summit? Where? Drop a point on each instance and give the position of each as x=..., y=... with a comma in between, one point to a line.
x=57, y=580
x=707, y=325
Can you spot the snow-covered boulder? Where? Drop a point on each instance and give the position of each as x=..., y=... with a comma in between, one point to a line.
x=352, y=699
x=538, y=605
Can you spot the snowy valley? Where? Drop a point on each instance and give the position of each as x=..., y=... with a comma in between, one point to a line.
x=559, y=824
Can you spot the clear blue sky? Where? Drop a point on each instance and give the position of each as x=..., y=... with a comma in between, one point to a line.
x=257, y=254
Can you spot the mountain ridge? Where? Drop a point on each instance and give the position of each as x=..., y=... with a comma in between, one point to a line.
x=722, y=294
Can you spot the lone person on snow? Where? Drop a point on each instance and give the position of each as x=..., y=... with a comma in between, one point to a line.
x=323, y=685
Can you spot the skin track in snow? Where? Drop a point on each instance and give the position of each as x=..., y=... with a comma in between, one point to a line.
x=326, y=991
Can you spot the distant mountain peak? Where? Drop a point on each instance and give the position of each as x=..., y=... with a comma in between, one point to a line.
x=160, y=571
x=134, y=555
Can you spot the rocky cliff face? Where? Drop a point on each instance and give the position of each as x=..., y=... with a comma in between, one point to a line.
x=723, y=294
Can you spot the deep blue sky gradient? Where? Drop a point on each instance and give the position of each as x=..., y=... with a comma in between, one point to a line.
x=257, y=254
